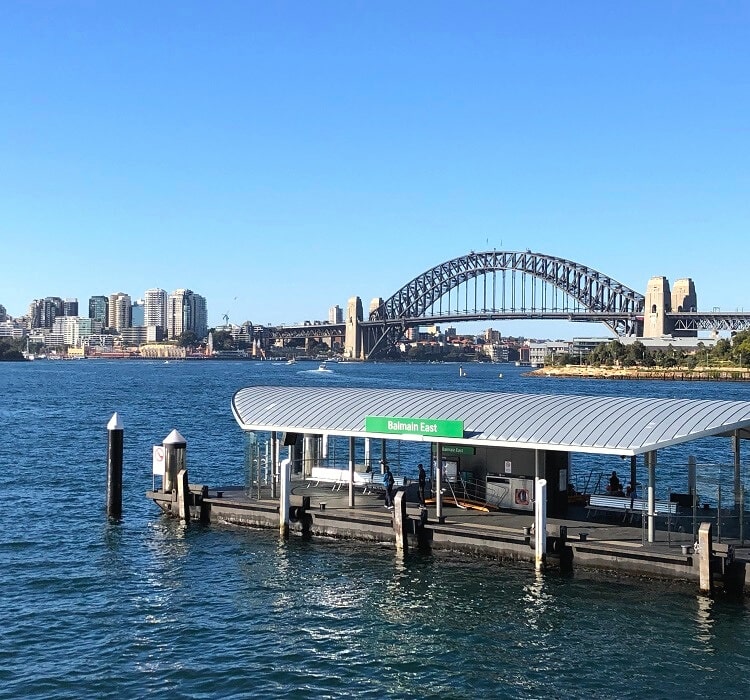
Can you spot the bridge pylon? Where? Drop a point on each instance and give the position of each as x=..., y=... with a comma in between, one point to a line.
x=353, y=345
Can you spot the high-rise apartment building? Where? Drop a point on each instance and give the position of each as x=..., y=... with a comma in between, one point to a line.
x=70, y=307
x=99, y=309
x=138, y=314
x=155, y=309
x=43, y=312
x=186, y=311
x=335, y=314
x=119, y=311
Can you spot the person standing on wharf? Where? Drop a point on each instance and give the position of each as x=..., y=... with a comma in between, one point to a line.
x=422, y=481
x=388, y=485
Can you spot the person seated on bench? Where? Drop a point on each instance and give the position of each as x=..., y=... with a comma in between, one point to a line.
x=615, y=487
x=630, y=491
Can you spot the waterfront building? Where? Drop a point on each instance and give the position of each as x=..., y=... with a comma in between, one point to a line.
x=186, y=311
x=97, y=340
x=497, y=352
x=539, y=353
x=119, y=311
x=74, y=328
x=163, y=351
x=11, y=329
x=155, y=307
x=99, y=309
x=134, y=336
x=47, y=337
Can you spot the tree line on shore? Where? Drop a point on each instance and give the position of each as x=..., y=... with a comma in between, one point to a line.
x=726, y=352
x=11, y=350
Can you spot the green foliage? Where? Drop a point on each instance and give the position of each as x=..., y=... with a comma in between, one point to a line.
x=11, y=350
x=187, y=339
x=223, y=340
x=741, y=348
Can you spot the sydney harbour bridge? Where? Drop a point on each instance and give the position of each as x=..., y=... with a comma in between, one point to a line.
x=501, y=285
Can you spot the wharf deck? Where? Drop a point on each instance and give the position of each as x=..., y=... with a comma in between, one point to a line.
x=499, y=534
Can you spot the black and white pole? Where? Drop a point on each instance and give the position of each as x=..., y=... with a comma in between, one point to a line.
x=114, y=466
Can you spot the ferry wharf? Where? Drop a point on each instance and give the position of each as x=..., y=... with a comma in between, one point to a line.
x=517, y=447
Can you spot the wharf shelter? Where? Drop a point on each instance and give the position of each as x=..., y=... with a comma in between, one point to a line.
x=518, y=445
x=507, y=435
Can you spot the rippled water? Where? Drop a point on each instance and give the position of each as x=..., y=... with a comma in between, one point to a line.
x=146, y=607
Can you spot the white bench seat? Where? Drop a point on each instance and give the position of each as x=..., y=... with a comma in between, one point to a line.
x=627, y=506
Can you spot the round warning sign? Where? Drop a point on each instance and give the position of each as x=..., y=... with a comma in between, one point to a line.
x=158, y=460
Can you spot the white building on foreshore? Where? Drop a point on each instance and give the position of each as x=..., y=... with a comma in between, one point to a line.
x=536, y=354
x=74, y=329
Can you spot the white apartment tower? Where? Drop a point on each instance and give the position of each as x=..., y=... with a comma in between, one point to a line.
x=155, y=311
x=119, y=311
x=186, y=311
x=335, y=314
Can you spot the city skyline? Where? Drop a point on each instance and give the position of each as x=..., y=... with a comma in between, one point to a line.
x=285, y=158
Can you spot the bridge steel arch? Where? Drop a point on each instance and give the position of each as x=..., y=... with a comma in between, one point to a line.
x=612, y=302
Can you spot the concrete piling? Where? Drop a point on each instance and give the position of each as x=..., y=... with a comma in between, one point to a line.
x=115, y=441
x=705, y=545
x=540, y=524
x=183, y=495
x=399, y=522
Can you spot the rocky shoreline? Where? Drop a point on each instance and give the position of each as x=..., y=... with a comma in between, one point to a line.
x=712, y=374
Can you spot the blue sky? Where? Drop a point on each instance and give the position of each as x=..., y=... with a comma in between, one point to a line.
x=280, y=157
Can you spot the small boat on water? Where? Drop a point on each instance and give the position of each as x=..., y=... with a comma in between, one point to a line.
x=322, y=368
x=291, y=361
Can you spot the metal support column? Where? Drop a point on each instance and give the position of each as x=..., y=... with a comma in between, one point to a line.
x=439, y=482
x=737, y=481
x=651, y=462
x=367, y=453
x=351, y=472
x=274, y=464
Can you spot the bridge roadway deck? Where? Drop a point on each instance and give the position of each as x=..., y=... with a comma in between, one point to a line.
x=499, y=535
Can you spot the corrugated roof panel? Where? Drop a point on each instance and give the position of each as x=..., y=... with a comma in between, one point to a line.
x=626, y=415
x=586, y=417
x=623, y=425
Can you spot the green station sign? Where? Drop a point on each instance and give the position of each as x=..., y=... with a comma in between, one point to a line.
x=431, y=427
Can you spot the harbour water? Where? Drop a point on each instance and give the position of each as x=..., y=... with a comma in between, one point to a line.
x=146, y=607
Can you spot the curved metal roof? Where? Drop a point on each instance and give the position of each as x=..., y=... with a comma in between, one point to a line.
x=604, y=425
